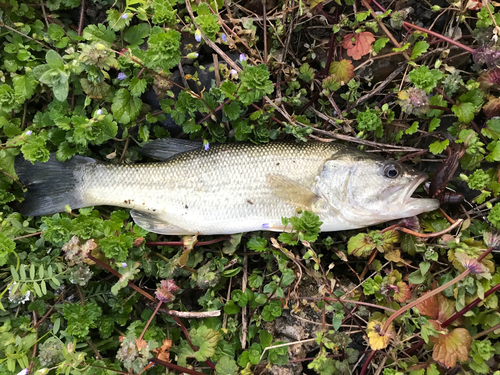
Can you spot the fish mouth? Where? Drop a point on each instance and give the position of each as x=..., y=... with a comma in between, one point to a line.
x=414, y=206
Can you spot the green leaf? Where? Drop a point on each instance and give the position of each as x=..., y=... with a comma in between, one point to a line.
x=255, y=83
x=265, y=338
x=137, y=86
x=416, y=277
x=413, y=128
x=231, y=308
x=254, y=353
x=99, y=33
x=125, y=107
x=464, y=111
x=255, y=280
x=135, y=35
x=54, y=60
x=233, y=110
x=24, y=85
x=56, y=32
x=257, y=244
x=424, y=267
x=115, y=20
x=81, y=318
x=419, y=48
x=425, y=78
x=360, y=245
x=379, y=44
x=206, y=340
x=438, y=147
x=228, y=88
x=434, y=124
x=226, y=366
x=164, y=49
x=7, y=246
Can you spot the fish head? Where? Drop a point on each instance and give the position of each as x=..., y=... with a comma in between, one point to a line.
x=366, y=189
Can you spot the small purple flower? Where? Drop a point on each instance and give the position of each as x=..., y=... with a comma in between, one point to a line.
x=28, y=133
x=243, y=57
x=197, y=35
x=266, y=226
x=233, y=72
x=23, y=372
x=121, y=76
x=99, y=112
x=206, y=145
x=124, y=265
x=224, y=38
x=124, y=16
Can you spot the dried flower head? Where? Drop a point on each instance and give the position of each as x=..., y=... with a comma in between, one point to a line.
x=414, y=101
x=76, y=252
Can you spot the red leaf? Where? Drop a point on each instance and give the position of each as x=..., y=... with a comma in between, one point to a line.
x=358, y=44
x=452, y=346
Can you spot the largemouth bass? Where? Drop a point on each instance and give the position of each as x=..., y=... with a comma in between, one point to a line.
x=231, y=188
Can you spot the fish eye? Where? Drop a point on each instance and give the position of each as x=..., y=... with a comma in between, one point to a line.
x=391, y=171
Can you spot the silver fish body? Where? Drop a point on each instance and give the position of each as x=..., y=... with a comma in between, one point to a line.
x=233, y=188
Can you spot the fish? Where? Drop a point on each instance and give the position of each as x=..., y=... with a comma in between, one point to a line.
x=231, y=188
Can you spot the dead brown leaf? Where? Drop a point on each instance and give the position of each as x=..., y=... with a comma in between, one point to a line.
x=163, y=352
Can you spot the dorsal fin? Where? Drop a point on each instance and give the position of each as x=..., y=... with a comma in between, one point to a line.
x=166, y=148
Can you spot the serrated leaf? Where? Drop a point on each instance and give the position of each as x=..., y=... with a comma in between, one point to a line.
x=135, y=35
x=434, y=124
x=137, y=86
x=452, y=346
x=125, y=107
x=379, y=44
x=464, y=111
x=419, y=48
x=438, y=147
x=99, y=33
x=358, y=44
x=206, y=340
x=342, y=70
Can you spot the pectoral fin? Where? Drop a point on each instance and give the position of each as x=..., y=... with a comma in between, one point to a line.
x=155, y=224
x=291, y=191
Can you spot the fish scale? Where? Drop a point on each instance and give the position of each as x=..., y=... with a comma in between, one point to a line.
x=231, y=188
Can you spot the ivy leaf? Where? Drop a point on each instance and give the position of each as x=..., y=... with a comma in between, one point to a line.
x=206, y=340
x=425, y=78
x=403, y=293
x=125, y=107
x=452, y=346
x=232, y=110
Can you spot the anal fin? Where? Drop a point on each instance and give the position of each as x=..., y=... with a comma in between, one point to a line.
x=155, y=224
x=291, y=191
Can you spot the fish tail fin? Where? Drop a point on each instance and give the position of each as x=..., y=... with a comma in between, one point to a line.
x=51, y=185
